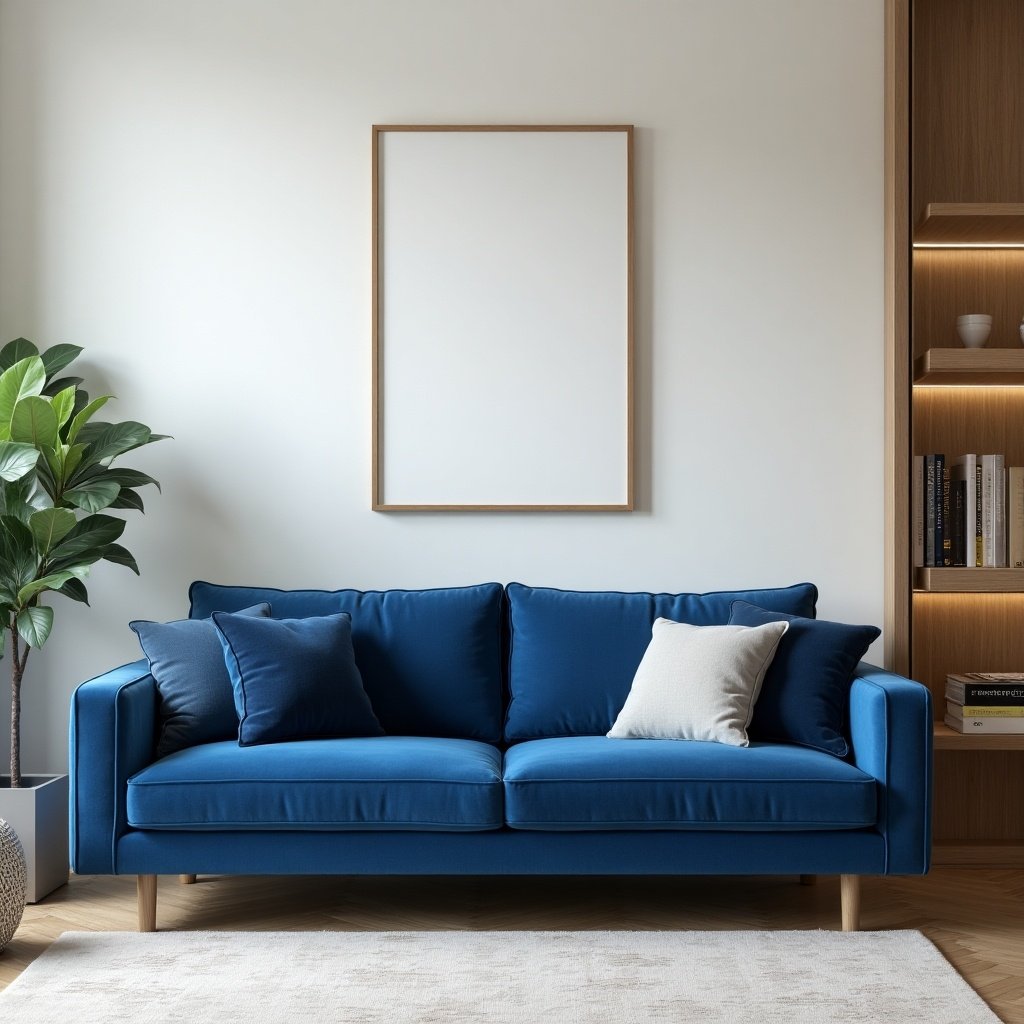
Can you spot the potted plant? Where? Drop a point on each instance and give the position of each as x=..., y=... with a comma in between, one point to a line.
x=56, y=478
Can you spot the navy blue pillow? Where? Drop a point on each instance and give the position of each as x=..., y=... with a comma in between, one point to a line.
x=294, y=678
x=806, y=690
x=185, y=658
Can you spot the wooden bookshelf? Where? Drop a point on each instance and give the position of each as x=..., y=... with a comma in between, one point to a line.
x=971, y=224
x=966, y=580
x=970, y=367
x=952, y=106
x=949, y=739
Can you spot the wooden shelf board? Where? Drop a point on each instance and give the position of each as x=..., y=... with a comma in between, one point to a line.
x=970, y=366
x=949, y=739
x=971, y=224
x=979, y=854
x=964, y=580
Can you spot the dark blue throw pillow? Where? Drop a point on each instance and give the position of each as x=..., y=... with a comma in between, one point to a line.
x=806, y=690
x=185, y=659
x=294, y=678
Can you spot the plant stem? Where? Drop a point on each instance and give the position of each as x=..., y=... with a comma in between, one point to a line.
x=17, y=671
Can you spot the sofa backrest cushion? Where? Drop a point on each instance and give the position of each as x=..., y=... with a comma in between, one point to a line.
x=430, y=659
x=574, y=653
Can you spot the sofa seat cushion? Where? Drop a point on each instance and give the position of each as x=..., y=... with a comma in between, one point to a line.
x=593, y=782
x=382, y=782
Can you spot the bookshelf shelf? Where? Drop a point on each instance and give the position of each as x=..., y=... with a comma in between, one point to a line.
x=965, y=580
x=949, y=739
x=971, y=367
x=979, y=854
x=969, y=225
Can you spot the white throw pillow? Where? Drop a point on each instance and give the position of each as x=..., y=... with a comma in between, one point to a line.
x=698, y=682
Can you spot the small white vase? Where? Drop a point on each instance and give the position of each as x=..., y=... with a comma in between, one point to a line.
x=13, y=883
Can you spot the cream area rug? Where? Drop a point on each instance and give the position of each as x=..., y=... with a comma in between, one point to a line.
x=493, y=978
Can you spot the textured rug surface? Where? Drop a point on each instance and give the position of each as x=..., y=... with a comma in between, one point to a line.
x=492, y=977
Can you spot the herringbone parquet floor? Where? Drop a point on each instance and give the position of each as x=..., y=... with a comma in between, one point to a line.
x=975, y=916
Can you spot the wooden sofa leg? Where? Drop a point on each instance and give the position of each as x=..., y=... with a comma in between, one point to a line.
x=187, y=879
x=808, y=879
x=147, y=903
x=849, y=895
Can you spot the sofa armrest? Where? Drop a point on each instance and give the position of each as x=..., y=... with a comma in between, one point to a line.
x=891, y=734
x=113, y=729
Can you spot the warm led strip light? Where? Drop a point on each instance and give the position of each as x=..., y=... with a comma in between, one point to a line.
x=969, y=245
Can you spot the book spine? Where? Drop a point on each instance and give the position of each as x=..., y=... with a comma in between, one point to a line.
x=929, y=510
x=979, y=547
x=1015, y=516
x=994, y=726
x=987, y=519
x=941, y=509
x=969, y=502
x=956, y=521
x=969, y=693
x=999, y=526
x=989, y=710
x=917, y=496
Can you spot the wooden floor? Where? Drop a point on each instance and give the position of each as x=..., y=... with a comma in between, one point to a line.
x=975, y=916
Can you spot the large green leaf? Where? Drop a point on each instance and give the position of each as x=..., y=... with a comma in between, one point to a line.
x=121, y=556
x=93, y=495
x=75, y=589
x=16, y=537
x=53, y=387
x=129, y=499
x=72, y=458
x=63, y=405
x=84, y=415
x=25, y=378
x=19, y=562
x=21, y=498
x=54, y=581
x=87, y=541
x=34, y=422
x=34, y=625
x=107, y=440
x=130, y=477
x=49, y=526
x=16, y=460
x=14, y=351
x=57, y=357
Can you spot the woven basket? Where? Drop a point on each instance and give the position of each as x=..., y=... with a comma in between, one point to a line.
x=13, y=882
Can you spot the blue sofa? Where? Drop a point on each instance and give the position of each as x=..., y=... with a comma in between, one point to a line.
x=495, y=702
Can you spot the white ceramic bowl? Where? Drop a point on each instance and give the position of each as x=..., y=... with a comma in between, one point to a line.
x=973, y=335
x=974, y=318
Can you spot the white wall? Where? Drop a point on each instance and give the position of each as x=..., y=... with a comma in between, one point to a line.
x=185, y=191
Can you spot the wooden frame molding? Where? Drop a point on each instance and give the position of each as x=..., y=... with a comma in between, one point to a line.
x=380, y=501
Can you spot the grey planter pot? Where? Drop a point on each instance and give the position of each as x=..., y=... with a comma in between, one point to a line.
x=38, y=813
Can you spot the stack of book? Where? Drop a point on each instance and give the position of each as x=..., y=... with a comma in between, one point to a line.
x=985, y=702
x=968, y=511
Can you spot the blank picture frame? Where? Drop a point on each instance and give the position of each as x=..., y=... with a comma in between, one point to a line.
x=502, y=318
